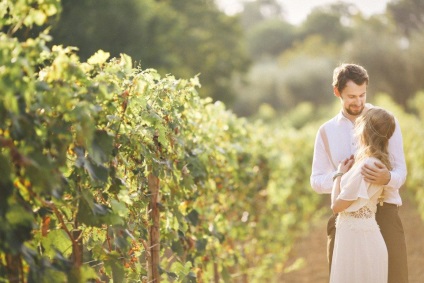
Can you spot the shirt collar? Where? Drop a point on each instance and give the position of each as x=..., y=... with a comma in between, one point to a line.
x=340, y=117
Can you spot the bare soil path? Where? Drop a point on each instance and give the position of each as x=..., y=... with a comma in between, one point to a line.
x=312, y=247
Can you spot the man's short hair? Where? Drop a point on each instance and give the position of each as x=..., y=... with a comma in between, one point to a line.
x=349, y=72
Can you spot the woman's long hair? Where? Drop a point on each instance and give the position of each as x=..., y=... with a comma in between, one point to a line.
x=373, y=130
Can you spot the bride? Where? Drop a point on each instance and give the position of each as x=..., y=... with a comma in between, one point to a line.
x=360, y=254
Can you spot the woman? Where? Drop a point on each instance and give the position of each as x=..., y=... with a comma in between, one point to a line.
x=360, y=254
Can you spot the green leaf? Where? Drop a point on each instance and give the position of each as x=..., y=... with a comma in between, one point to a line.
x=87, y=273
x=94, y=214
x=114, y=267
x=17, y=216
x=3, y=9
x=57, y=240
x=19, y=225
x=5, y=168
x=119, y=208
x=226, y=274
x=96, y=172
x=172, y=276
x=193, y=217
x=162, y=133
x=116, y=185
x=177, y=248
x=113, y=219
x=126, y=62
x=86, y=210
x=182, y=270
x=102, y=146
x=197, y=167
x=10, y=102
x=99, y=58
x=201, y=245
x=50, y=275
x=42, y=173
x=38, y=17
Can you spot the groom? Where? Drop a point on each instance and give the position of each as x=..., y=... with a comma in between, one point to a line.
x=335, y=142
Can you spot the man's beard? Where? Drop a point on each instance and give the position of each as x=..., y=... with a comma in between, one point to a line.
x=354, y=113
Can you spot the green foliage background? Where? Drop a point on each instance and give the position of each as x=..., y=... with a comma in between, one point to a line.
x=183, y=38
x=292, y=64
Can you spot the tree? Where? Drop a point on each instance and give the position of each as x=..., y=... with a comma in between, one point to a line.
x=329, y=22
x=408, y=15
x=270, y=37
x=184, y=38
x=255, y=12
x=212, y=44
x=377, y=46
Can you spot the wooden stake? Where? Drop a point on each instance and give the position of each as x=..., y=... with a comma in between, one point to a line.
x=153, y=182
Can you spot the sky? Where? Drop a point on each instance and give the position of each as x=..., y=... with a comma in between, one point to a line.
x=297, y=10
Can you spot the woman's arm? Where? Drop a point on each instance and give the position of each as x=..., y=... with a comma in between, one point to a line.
x=338, y=205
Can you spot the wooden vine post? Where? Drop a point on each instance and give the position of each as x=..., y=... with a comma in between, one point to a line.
x=14, y=269
x=77, y=248
x=154, y=214
x=154, y=244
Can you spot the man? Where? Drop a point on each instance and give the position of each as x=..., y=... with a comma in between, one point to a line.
x=335, y=142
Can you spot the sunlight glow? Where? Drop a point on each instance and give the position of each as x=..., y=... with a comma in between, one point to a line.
x=296, y=11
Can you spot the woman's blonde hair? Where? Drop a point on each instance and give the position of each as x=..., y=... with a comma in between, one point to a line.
x=373, y=130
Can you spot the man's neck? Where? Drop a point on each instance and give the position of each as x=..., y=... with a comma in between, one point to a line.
x=352, y=118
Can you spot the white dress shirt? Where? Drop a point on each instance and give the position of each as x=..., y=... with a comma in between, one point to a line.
x=341, y=144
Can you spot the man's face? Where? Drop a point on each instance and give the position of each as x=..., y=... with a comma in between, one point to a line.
x=353, y=98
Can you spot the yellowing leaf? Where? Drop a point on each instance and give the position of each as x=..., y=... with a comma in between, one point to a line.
x=100, y=57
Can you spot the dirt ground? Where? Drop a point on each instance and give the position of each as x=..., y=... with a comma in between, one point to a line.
x=312, y=248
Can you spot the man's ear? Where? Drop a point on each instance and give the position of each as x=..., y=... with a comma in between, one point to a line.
x=336, y=92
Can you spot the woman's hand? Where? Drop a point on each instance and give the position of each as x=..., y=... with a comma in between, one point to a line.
x=345, y=165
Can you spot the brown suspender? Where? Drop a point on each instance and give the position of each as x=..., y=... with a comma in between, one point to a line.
x=326, y=146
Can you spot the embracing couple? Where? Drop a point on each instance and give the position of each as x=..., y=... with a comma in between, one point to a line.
x=359, y=159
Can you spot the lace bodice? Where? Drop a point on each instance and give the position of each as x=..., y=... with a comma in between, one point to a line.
x=363, y=212
x=362, y=219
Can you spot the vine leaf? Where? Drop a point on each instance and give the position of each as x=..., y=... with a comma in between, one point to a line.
x=94, y=214
x=114, y=267
x=99, y=58
x=19, y=227
x=57, y=240
x=193, y=217
x=102, y=147
x=95, y=170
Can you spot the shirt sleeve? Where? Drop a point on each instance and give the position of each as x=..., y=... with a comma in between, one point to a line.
x=399, y=171
x=322, y=169
x=353, y=185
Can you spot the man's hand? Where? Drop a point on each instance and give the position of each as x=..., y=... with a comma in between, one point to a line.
x=376, y=173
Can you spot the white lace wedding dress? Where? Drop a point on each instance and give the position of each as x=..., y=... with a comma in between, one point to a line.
x=360, y=253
